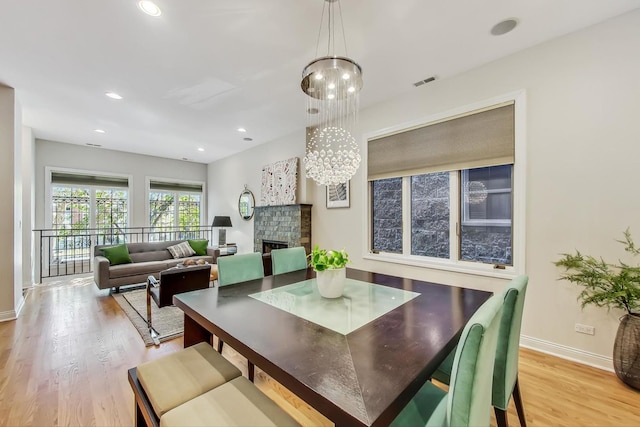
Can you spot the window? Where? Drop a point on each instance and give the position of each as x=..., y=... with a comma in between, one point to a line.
x=174, y=207
x=387, y=215
x=485, y=233
x=86, y=209
x=442, y=195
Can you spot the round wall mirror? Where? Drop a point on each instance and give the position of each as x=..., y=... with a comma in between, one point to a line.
x=246, y=204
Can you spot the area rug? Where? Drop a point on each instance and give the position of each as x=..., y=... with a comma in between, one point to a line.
x=167, y=321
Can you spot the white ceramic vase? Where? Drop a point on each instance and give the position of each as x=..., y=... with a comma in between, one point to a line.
x=331, y=282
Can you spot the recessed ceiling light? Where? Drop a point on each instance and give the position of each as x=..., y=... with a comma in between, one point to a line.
x=149, y=8
x=99, y=130
x=113, y=95
x=243, y=130
x=504, y=27
x=248, y=139
x=200, y=149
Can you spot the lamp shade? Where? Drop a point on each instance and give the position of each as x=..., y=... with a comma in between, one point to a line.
x=221, y=221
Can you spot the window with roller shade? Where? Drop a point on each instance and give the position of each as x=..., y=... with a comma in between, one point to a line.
x=85, y=205
x=174, y=206
x=454, y=189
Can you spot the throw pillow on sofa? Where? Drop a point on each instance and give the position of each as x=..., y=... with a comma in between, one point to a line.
x=199, y=246
x=181, y=250
x=117, y=254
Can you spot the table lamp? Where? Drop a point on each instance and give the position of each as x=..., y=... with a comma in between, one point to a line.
x=221, y=221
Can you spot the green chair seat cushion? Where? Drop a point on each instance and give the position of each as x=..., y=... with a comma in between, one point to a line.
x=236, y=403
x=181, y=376
x=199, y=246
x=428, y=407
x=443, y=373
x=118, y=254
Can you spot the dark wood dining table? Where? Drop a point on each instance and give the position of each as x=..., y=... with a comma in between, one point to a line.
x=362, y=378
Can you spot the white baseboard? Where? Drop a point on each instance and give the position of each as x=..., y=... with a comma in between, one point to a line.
x=569, y=353
x=6, y=316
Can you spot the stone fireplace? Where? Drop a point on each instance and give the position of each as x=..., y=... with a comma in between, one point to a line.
x=281, y=226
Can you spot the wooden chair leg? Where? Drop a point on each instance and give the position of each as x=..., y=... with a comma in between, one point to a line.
x=501, y=417
x=517, y=398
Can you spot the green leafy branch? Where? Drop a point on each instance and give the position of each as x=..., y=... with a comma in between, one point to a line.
x=605, y=285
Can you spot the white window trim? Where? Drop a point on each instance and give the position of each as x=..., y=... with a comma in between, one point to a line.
x=519, y=200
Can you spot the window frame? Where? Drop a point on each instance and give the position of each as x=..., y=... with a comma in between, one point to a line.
x=454, y=264
x=92, y=221
x=176, y=194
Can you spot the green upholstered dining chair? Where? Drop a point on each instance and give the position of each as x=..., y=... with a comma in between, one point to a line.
x=289, y=259
x=505, y=372
x=237, y=269
x=468, y=401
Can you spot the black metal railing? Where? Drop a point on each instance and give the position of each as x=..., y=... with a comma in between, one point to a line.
x=67, y=252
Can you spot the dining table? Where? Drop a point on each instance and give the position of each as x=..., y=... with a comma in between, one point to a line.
x=357, y=359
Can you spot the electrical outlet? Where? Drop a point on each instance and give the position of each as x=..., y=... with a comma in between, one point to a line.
x=585, y=329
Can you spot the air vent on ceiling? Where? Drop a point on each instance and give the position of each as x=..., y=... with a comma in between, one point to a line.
x=93, y=145
x=421, y=82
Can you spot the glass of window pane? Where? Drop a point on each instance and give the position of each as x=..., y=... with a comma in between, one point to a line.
x=387, y=215
x=486, y=230
x=430, y=215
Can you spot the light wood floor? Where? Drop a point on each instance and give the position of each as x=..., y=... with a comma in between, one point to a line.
x=64, y=362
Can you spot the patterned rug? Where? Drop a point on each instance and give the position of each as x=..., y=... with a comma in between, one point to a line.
x=167, y=321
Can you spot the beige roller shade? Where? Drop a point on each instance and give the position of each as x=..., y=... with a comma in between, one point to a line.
x=478, y=139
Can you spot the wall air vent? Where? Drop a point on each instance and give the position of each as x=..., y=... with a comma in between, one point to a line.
x=421, y=82
x=94, y=145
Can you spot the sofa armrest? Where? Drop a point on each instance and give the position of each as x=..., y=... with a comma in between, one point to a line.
x=101, y=271
x=213, y=252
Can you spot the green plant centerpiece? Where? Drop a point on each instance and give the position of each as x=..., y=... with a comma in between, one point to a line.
x=330, y=268
x=614, y=286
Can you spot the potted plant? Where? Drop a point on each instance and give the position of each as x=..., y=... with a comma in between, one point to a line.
x=330, y=268
x=613, y=286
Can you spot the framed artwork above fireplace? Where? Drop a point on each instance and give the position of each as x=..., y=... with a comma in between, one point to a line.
x=279, y=183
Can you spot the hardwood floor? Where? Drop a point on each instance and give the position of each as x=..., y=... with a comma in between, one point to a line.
x=64, y=362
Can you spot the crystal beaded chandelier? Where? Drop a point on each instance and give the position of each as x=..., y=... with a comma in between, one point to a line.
x=332, y=85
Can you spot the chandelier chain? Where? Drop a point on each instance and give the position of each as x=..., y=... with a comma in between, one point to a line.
x=344, y=37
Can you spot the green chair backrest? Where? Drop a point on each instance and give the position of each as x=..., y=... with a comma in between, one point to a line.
x=289, y=259
x=469, y=402
x=505, y=371
x=239, y=268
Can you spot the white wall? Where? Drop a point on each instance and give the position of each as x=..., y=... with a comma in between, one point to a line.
x=139, y=167
x=11, y=300
x=583, y=154
x=228, y=177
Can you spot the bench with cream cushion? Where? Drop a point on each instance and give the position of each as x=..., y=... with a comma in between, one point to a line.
x=163, y=384
x=236, y=403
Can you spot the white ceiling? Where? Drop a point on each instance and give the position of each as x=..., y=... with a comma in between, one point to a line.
x=202, y=69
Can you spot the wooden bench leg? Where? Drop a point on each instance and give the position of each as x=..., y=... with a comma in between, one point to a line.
x=140, y=421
